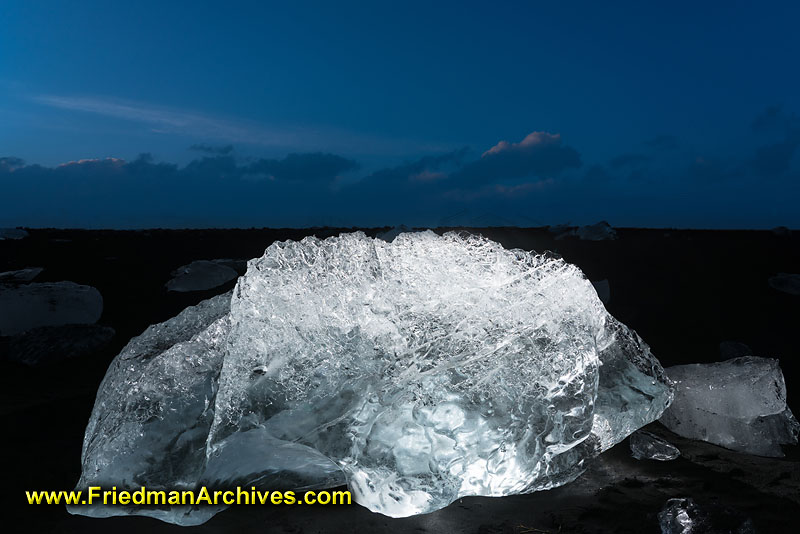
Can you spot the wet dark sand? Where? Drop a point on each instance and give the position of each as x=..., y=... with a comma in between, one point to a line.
x=684, y=291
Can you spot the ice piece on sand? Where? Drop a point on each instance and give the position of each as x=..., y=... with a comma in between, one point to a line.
x=647, y=446
x=47, y=304
x=739, y=404
x=601, y=231
x=20, y=276
x=786, y=283
x=418, y=372
x=12, y=233
x=684, y=516
x=781, y=231
x=200, y=275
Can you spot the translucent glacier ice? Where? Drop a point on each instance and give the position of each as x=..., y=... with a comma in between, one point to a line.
x=739, y=404
x=201, y=275
x=47, y=304
x=647, y=446
x=417, y=371
x=20, y=276
x=786, y=283
x=12, y=233
x=685, y=516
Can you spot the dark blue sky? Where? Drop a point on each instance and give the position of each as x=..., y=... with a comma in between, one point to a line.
x=372, y=113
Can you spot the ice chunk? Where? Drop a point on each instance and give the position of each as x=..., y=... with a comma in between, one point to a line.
x=781, y=231
x=200, y=275
x=786, y=283
x=154, y=409
x=47, y=304
x=684, y=516
x=647, y=446
x=417, y=371
x=601, y=231
x=49, y=344
x=739, y=404
x=21, y=275
x=12, y=233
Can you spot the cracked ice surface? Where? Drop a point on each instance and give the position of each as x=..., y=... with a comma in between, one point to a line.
x=417, y=371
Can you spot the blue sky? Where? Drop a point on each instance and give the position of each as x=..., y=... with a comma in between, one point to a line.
x=372, y=113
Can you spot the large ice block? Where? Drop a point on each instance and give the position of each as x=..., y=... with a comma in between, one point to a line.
x=417, y=371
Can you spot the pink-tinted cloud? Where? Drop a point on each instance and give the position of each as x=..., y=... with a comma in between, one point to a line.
x=533, y=139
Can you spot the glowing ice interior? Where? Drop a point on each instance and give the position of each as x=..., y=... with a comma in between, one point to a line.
x=416, y=371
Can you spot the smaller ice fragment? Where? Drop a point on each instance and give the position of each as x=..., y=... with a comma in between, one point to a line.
x=200, y=275
x=647, y=446
x=21, y=275
x=12, y=233
x=786, y=283
x=601, y=231
x=781, y=231
x=47, y=304
x=739, y=404
x=684, y=516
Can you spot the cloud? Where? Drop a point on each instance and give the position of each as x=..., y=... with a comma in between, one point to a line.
x=315, y=167
x=111, y=192
x=167, y=120
x=425, y=170
x=499, y=190
x=8, y=164
x=533, y=139
x=209, y=149
x=142, y=172
x=194, y=124
x=531, y=177
x=504, y=169
x=538, y=155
